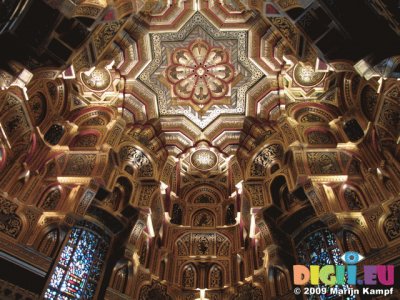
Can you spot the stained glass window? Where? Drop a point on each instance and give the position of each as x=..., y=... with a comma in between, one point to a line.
x=80, y=264
x=319, y=248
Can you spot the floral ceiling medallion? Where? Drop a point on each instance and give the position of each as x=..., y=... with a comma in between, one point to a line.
x=204, y=159
x=201, y=74
x=306, y=76
x=98, y=80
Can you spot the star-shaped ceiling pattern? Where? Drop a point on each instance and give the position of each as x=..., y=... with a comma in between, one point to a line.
x=200, y=72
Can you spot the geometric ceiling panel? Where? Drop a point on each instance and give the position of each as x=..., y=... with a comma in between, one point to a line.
x=200, y=72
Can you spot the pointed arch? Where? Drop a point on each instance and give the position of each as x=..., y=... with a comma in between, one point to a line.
x=52, y=197
x=189, y=276
x=49, y=243
x=122, y=273
x=279, y=281
x=215, y=277
x=352, y=198
x=352, y=242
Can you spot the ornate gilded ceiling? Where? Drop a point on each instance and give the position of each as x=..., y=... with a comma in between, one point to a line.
x=207, y=138
x=199, y=68
x=200, y=72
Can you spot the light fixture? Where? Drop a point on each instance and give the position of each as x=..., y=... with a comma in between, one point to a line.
x=202, y=294
x=239, y=187
x=237, y=217
x=150, y=225
x=163, y=187
x=252, y=226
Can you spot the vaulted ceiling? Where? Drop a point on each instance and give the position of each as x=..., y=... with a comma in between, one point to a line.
x=206, y=140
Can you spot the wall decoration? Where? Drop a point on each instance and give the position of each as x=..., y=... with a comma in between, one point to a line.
x=203, y=218
x=352, y=199
x=98, y=80
x=392, y=223
x=265, y=158
x=52, y=199
x=10, y=223
x=154, y=291
x=323, y=163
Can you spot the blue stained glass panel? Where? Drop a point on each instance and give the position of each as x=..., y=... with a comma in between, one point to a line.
x=90, y=290
x=74, y=237
x=320, y=248
x=57, y=277
x=80, y=265
x=66, y=255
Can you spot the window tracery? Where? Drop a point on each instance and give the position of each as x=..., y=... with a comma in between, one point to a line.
x=52, y=198
x=80, y=264
x=352, y=242
x=49, y=243
x=216, y=277
x=352, y=199
x=189, y=276
x=319, y=248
